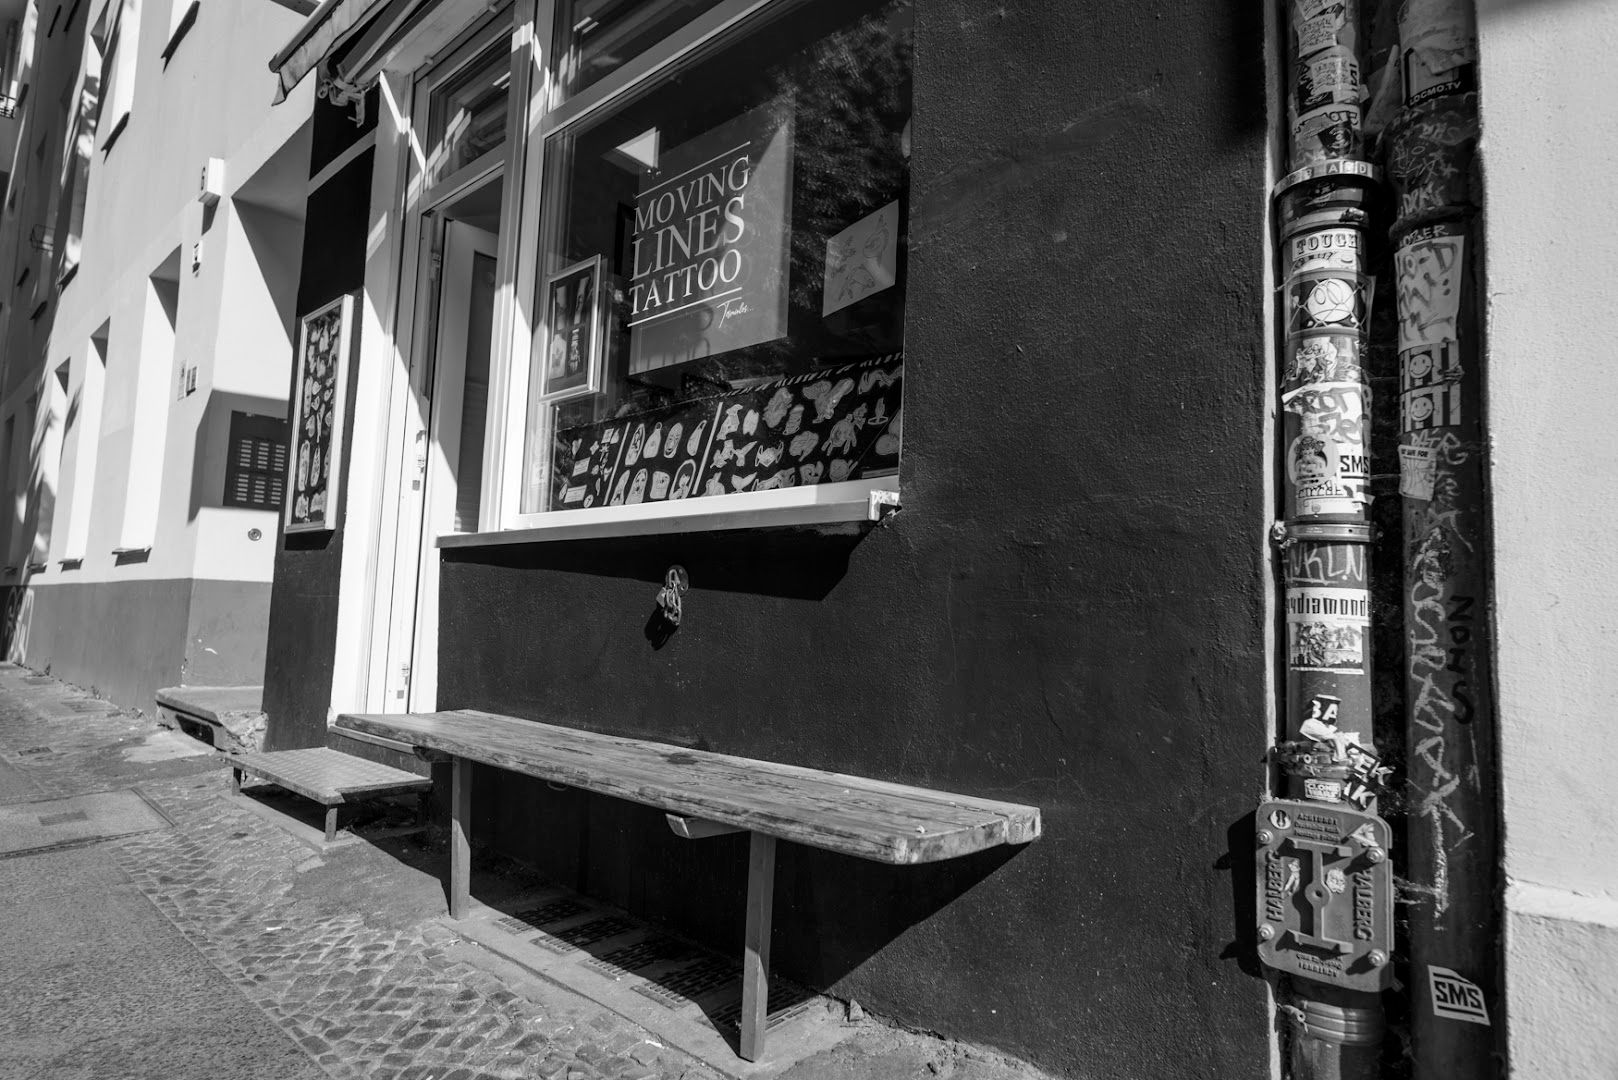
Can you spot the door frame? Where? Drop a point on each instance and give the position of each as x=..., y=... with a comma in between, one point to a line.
x=462, y=243
x=401, y=616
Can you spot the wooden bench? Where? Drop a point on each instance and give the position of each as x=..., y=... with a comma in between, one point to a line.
x=707, y=794
x=329, y=777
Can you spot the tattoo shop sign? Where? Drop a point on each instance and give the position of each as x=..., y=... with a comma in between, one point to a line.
x=710, y=245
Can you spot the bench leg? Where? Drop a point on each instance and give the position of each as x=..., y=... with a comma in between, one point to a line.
x=331, y=823
x=460, y=839
x=756, y=950
x=235, y=781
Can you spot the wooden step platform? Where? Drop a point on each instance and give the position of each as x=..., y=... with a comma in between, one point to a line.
x=328, y=777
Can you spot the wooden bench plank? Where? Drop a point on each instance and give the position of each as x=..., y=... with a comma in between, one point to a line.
x=886, y=822
x=775, y=797
x=765, y=784
x=927, y=803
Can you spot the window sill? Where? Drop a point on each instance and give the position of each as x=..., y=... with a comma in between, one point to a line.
x=822, y=504
x=180, y=28
x=117, y=130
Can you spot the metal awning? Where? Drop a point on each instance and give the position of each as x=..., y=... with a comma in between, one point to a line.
x=327, y=28
x=356, y=38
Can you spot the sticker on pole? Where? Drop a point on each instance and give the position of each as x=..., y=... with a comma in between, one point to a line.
x=1457, y=998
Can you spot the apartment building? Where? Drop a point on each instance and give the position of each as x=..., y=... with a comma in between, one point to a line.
x=151, y=236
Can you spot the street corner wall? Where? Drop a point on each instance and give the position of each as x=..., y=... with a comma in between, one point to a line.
x=1069, y=611
x=1548, y=158
x=300, y=649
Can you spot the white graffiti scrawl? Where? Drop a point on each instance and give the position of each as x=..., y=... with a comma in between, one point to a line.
x=1427, y=272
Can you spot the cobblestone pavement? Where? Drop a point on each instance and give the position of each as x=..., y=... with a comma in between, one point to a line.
x=345, y=949
x=344, y=955
x=364, y=996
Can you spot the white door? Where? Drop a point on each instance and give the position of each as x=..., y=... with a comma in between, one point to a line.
x=442, y=476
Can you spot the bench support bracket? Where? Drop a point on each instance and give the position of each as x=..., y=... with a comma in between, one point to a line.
x=460, y=839
x=756, y=949
x=695, y=828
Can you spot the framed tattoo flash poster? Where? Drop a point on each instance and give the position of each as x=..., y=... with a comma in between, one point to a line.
x=325, y=339
x=574, y=339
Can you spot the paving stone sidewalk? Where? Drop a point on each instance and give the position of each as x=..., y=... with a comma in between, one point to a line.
x=344, y=948
x=343, y=952
x=326, y=956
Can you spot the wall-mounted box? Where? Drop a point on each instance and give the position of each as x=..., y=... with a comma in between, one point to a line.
x=211, y=187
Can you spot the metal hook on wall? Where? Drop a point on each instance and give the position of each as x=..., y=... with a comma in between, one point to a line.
x=665, y=619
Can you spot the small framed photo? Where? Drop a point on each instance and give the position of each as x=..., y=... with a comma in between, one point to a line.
x=325, y=339
x=575, y=338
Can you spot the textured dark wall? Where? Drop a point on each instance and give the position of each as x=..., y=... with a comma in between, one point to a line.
x=301, y=647
x=1069, y=610
x=335, y=130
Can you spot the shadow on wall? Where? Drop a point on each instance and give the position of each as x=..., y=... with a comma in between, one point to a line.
x=795, y=564
x=832, y=912
x=31, y=520
x=19, y=603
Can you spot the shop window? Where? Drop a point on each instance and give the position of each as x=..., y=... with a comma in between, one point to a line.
x=256, y=468
x=467, y=116
x=595, y=37
x=721, y=256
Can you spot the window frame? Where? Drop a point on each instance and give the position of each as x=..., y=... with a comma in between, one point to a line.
x=523, y=235
x=182, y=17
x=259, y=428
x=118, y=70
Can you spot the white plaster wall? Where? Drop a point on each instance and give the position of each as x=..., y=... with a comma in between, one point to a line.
x=1550, y=162
x=212, y=99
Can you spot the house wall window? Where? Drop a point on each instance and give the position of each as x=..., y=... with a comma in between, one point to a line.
x=256, y=468
x=182, y=16
x=467, y=116
x=721, y=256
x=116, y=35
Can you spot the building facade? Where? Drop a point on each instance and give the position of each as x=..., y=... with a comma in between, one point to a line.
x=932, y=352
x=154, y=232
x=751, y=247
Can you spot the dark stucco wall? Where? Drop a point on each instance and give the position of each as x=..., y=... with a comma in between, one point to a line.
x=225, y=638
x=1069, y=610
x=124, y=639
x=301, y=647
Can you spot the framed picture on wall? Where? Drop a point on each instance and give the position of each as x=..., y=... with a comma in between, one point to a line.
x=575, y=338
x=325, y=339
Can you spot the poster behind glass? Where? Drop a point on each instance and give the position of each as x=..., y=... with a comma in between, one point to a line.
x=751, y=214
x=573, y=323
x=325, y=339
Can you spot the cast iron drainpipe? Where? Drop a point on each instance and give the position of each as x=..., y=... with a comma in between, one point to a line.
x=1326, y=830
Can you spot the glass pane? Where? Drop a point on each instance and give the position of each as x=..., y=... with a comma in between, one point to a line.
x=467, y=117
x=596, y=37
x=475, y=394
x=742, y=225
